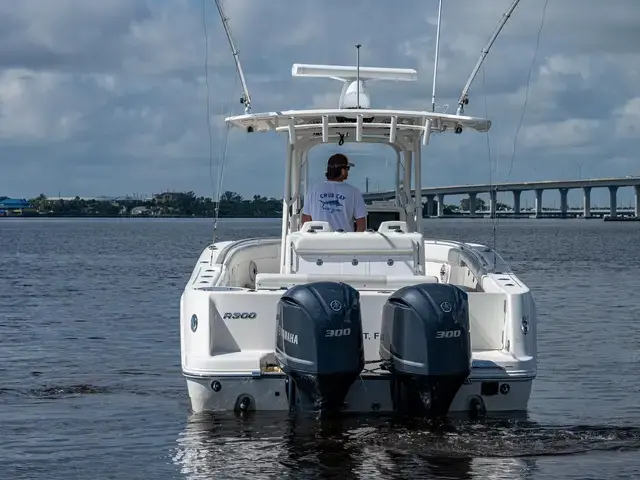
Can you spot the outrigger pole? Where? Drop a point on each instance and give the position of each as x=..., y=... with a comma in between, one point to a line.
x=435, y=63
x=464, y=96
x=245, y=99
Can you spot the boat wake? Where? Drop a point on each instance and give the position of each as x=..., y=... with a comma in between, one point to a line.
x=280, y=445
x=506, y=438
x=60, y=391
x=52, y=392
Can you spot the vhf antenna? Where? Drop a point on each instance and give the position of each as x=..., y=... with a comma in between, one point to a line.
x=358, y=74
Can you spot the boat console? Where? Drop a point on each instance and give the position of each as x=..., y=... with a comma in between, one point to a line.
x=380, y=213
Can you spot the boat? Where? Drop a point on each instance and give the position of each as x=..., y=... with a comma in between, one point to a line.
x=333, y=322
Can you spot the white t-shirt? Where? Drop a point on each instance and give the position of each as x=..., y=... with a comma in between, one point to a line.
x=335, y=202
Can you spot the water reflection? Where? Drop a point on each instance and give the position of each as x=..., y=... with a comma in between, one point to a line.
x=278, y=446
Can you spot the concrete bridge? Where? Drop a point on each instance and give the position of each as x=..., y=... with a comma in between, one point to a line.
x=430, y=194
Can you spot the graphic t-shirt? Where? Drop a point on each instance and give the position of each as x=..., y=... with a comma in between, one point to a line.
x=335, y=202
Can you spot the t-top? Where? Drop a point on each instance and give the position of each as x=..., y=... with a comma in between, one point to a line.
x=335, y=202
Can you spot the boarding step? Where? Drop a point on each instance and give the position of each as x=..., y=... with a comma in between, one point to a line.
x=488, y=363
x=243, y=363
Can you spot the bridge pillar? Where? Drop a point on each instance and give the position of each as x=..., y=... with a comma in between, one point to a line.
x=493, y=197
x=441, y=205
x=586, y=202
x=563, y=201
x=472, y=204
x=637, y=212
x=539, y=192
x=613, y=202
x=428, y=206
x=516, y=201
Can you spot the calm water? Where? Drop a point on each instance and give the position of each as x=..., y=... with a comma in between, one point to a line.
x=91, y=384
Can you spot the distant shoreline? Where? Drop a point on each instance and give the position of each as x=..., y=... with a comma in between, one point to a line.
x=164, y=205
x=137, y=216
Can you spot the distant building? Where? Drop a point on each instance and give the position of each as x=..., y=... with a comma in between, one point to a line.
x=168, y=197
x=141, y=211
x=102, y=198
x=10, y=207
x=66, y=199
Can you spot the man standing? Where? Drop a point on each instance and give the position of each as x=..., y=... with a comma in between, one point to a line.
x=334, y=200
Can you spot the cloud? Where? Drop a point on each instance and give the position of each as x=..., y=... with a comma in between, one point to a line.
x=100, y=98
x=627, y=124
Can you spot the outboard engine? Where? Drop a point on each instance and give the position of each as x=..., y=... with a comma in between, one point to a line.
x=319, y=344
x=426, y=345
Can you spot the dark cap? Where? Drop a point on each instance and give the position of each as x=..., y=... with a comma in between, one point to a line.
x=339, y=160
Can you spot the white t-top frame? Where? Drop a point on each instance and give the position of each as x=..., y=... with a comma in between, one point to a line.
x=405, y=131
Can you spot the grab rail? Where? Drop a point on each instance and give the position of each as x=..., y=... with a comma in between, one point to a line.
x=476, y=262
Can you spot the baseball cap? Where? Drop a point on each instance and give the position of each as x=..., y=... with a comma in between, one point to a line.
x=339, y=160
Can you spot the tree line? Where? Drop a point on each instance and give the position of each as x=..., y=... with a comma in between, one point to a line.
x=176, y=204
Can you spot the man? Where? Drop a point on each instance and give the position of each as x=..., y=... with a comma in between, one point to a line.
x=334, y=200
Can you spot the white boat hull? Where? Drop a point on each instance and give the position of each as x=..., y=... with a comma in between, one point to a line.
x=226, y=360
x=370, y=395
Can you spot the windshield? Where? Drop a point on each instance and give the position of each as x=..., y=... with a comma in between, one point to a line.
x=375, y=165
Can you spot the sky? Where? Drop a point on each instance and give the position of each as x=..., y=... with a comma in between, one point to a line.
x=110, y=98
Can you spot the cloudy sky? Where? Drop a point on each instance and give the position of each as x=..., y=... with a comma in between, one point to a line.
x=109, y=97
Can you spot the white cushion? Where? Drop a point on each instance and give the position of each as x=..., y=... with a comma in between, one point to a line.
x=349, y=243
x=390, y=253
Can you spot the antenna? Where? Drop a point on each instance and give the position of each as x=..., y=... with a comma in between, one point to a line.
x=435, y=63
x=358, y=75
x=245, y=99
x=464, y=97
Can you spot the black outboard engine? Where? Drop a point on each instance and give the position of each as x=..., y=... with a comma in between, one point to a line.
x=319, y=344
x=426, y=345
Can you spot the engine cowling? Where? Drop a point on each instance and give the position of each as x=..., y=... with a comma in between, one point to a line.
x=319, y=344
x=426, y=345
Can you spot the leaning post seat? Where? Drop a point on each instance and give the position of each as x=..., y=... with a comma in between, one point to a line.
x=391, y=250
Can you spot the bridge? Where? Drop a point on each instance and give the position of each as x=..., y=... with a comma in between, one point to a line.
x=430, y=194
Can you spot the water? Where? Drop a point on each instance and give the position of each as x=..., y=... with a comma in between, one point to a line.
x=90, y=364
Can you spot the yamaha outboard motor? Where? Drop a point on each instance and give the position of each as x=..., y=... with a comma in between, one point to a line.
x=426, y=345
x=319, y=344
